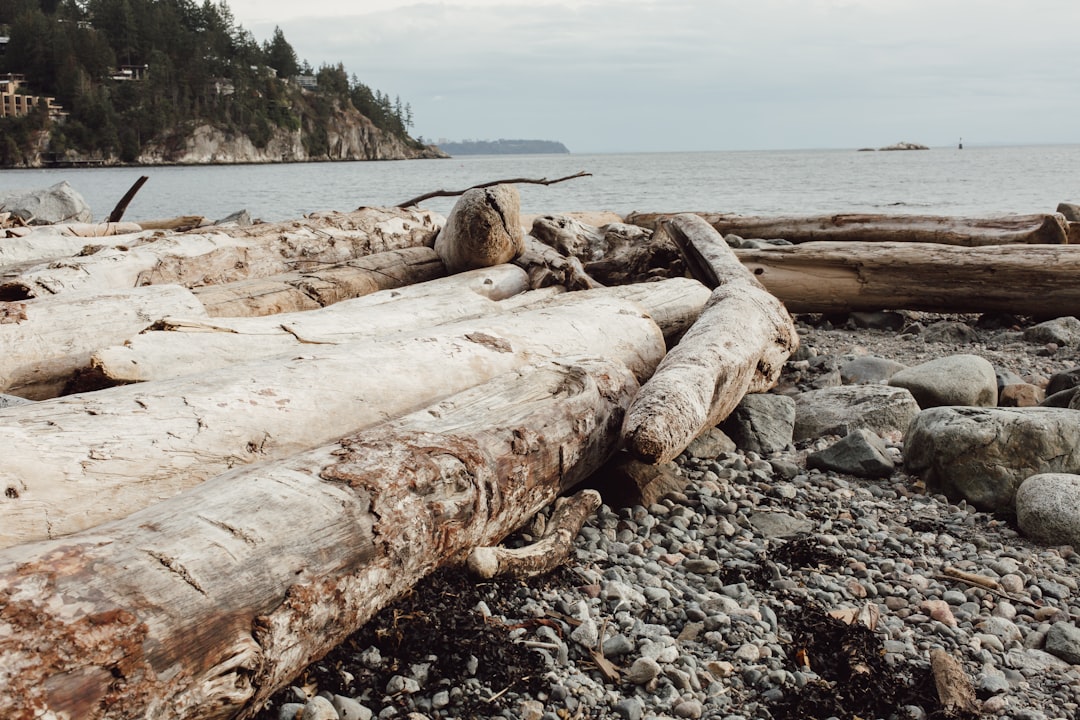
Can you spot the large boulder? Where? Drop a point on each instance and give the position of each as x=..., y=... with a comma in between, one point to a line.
x=839, y=410
x=482, y=230
x=56, y=204
x=1048, y=508
x=952, y=380
x=983, y=454
x=1061, y=331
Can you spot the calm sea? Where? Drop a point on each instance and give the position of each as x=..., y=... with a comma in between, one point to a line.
x=975, y=181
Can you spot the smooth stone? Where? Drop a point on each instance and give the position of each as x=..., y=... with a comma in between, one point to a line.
x=954, y=380
x=1021, y=395
x=290, y=711
x=981, y=455
x=869, y=369
x=1048, y=508
x=950, y=331
x=643, y=671
x=761, y=423
x=838, y=411
x=319, y=708
x=350, y=709
x=861, y=453
x=710, y=444
x=1061, y=331
x=1063, y=641
x=1064, y=380
x=779, y=524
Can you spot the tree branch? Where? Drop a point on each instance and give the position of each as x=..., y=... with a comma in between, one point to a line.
x=455, y=193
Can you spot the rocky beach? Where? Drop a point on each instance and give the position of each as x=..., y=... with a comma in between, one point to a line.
x=792, y=569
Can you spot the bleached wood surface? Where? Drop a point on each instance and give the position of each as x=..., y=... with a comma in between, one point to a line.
x=80, y=460
x=135, y=619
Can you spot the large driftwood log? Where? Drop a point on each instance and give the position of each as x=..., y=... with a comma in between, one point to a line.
x=183, y=347
x=321, y=286
x=1035, y=280
x=133, y=619
x=738, y=345
x=483, y=229
x=49, y=242
x=1047, y=228
x=191, y=346
x=80, y=460
x=210, y=258
x=45, y=341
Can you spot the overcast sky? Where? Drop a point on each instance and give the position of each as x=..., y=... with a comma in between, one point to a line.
x=673, y=75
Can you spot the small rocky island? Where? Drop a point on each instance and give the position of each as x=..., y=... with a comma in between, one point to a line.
x=902, y=145
x=504, y=147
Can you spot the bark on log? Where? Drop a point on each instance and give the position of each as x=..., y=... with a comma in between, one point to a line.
x=1043, y=228
x=1037, y=280
x=183, y=346
x=311, y=289
x=483, y=229
x=81, y=460
x=193, y=259
x=738, y=345
x=47, y=340
x=133, y=619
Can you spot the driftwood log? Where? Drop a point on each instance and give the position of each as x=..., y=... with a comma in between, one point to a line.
x=220, y=256
x=133, y=619
x=1037, y=280
x=82, y=460
x=483, y=229
x=321, y=286
x=738, y=345
x=1045, y=228
x=45, y=341
x=50, y=242
x=181, y=347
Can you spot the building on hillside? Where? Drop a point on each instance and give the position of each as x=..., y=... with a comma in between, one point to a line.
x=16, y=104
x=307, y=82
x=128, y=73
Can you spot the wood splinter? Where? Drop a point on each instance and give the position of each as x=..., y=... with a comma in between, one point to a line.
x=546, y=553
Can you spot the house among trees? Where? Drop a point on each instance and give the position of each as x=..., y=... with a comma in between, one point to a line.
x=16, y=104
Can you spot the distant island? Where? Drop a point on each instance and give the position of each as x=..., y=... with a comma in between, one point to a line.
x=504, y=147
x=898, y=146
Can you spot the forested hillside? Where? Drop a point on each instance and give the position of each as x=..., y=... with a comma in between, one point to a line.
x=129, y=72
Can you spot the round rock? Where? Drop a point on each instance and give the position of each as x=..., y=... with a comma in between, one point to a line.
x=1048, y=508
x=954, y=380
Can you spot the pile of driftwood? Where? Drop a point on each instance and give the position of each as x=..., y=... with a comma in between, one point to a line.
x=254, y=438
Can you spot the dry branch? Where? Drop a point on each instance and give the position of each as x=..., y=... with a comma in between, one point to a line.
x=203, y=605
x=121, y=207
x=738, y=345
x=510, y=181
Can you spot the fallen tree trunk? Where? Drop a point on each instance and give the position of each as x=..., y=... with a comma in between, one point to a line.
x=47, y=340
x=133, y=619
x=1043, y=228
x=49, y=242
x=738, y=345
x=844, y=277
x=191, y=347
x=193, y=259
x=311, y=289
x=82, y=460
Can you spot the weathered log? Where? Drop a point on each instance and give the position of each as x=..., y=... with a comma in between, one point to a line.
x=47, y=340
x=616, y=254
x=80, y=460
x=547, y=553
x=738, y=345
x=1037, y=280
x=1041, y=228
x=209, y=258
x=483, y=229
x=183, y=347
x=190, y=346
x=322, y=286
x=133, y=619
x=546, y=266
x=49, y=242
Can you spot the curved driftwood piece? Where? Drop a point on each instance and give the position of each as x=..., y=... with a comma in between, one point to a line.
x=321, y=286
x=46, y=341
x=189, y=346
x=1035, y=280
x=1042, y=228
x=738, y=345
x=82, y=460
x=221, y=256
x=134, y=619
x=483, y=229
x=545, y=554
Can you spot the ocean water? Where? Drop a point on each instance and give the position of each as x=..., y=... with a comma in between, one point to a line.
x=975, y=181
